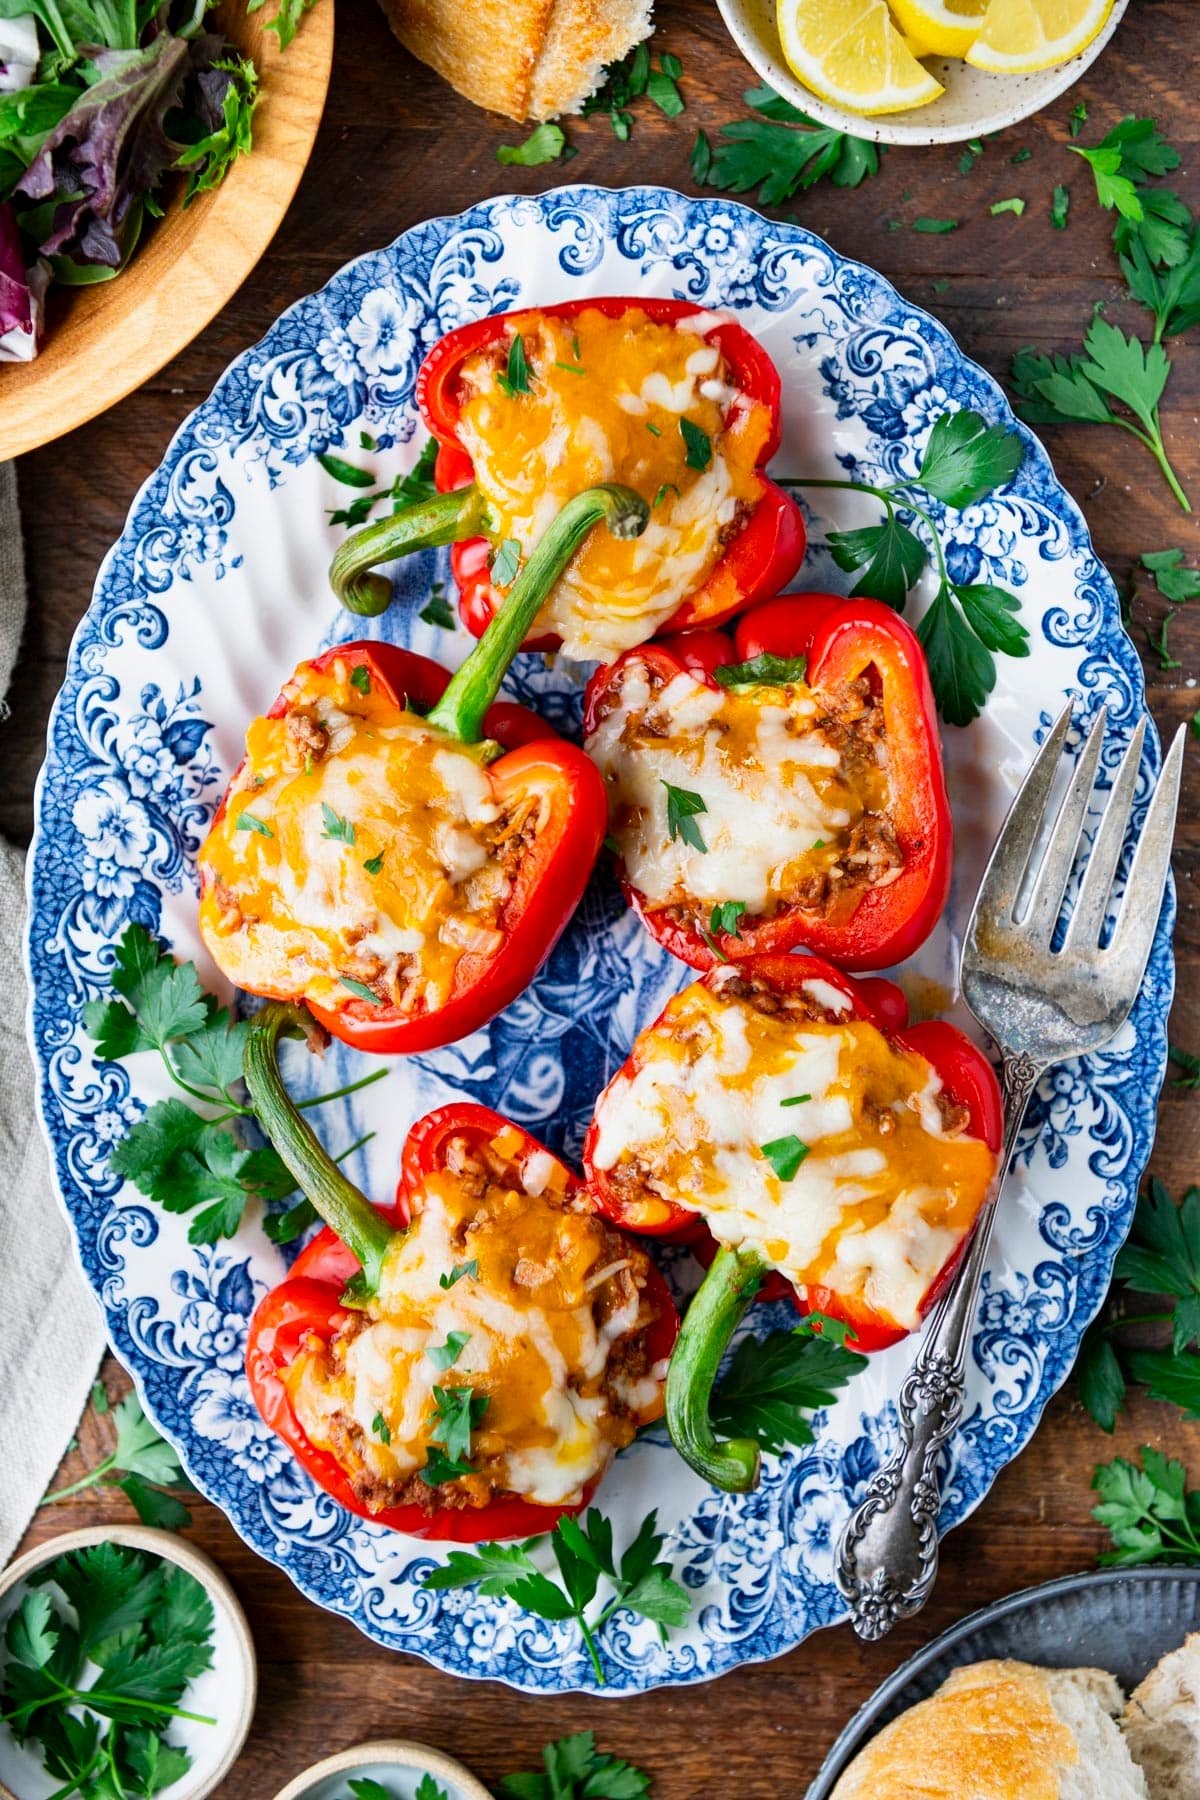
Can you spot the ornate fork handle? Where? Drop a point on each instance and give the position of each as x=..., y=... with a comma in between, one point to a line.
x=887, y=1557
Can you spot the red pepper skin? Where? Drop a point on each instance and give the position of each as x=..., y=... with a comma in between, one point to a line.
x=966, y=1074
x=550, y=876
x=309, y=1302
x=842, y=639
x=759, y=560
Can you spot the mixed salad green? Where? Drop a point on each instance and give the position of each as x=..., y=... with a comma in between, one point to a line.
x=100, y=101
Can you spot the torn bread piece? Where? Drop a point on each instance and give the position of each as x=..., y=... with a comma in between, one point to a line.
x=1162, y=1724
x=528, y=59
x=1003, y=1731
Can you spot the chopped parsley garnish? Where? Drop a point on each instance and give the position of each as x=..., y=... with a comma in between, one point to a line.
x=1079, y=115
x=699, y=445
x=381, y=1429
x=347, y=473
x=361, y=990
x=506, y=560
x=246, y=821
x=1174, y=582
x=571, y=368
x=768, y=670
x=727, y=916
x=439, y=1468
x=1015, y=205
x=936, y=226
x=341, y=830
x=457, y=1411
x=610, y=843
x=419, y=483
x=366, y=441
x=630, y=79
x=682, y=805
x=458, y=1272
x=668, y=487
x=360, y=678
x=437, y=610
x=795, y=1100
x=1060, y=206
x=374, y=864
x=444, y=1356
x=516, y=378
x=785, y=1154
x=1022, y=155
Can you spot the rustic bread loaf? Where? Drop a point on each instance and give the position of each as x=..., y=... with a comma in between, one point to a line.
x=1162, y=1724
x=530, y=59
x=1002, y=1731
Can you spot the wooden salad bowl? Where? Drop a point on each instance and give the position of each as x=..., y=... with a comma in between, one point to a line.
x=103, y=341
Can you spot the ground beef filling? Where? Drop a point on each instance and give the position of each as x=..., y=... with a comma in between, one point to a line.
x=828, y=882
x=612, y=1276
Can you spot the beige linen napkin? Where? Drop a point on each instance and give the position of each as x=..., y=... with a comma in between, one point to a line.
x=51, y=1334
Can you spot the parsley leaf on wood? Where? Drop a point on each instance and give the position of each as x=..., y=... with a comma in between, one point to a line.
x=583, y=1550
x=545, y=144
x=141, y=1463
x=1150, y=1513
x=772, y=1383
x=576, y=1770
x=1174, y=582
x=1186, y=1061
x=776, y=157
x=632, y=78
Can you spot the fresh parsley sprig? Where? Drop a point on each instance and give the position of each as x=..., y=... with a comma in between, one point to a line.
x=642, y=1582
x=1151, y=1514
x=181, y=1158
x=774, y=1383
x=633, y=78
x=1161, y=1256
x=146, y=1627
x=1118, y=379
x=772, y=155
x=141, y=1463
x=406, y=490
x=575, y=1770
x=1188, y=1065
x=965, y=460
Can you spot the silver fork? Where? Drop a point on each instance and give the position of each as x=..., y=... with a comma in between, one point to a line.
x=1042, y=1006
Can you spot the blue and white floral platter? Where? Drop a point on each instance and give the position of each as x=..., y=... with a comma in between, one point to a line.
x=217, y=588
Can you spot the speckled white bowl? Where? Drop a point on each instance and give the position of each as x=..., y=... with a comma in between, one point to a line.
x=395, y=1763
x=225, y=1692
x=973, y=104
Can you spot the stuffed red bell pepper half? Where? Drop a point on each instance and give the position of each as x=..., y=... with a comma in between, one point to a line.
x=528, y=407
x=465, y=1363
x=819, y=1137
x=779, y=786
x=396, y=850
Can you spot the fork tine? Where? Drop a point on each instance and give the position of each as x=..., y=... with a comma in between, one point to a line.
x=1138, y=918
x=1058, y=860
x=1005, y=872
x=1091, y=903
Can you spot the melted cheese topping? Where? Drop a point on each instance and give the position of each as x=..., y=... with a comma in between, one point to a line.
x=605, y=404
x=358, y=846
x=885, y=1193
x=784, y=806
x=542, y=1313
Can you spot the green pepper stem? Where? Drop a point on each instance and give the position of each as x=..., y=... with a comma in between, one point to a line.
x=461, y=709
x=446, y=519
x=334, y=1198
x=723, y=1298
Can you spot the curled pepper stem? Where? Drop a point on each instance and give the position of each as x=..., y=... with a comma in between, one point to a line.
x=723, y=1298
x=446, y=519
x=461, y=709
x=334, y=1198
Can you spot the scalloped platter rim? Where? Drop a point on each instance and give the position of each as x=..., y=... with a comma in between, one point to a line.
x=216, y=588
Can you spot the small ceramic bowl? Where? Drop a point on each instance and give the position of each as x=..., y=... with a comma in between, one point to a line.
x=397, y=1765
x=226, y=1692
x=973, y=104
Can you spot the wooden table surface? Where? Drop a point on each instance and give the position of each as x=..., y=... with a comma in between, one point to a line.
x=396, y=146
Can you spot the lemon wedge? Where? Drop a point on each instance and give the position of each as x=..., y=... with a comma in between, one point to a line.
x=850, y=53
x=1020, y=36
x=934, y=28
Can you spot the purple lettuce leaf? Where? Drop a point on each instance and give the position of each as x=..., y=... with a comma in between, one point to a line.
x=21, y=293
x=113, y=146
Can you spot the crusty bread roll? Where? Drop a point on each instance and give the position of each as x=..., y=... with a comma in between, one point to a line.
x=1162, y=1724
x=531, y=59
x=1002, y=1731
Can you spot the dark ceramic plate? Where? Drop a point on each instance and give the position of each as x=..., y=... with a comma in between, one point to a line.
x=1118, y=1619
